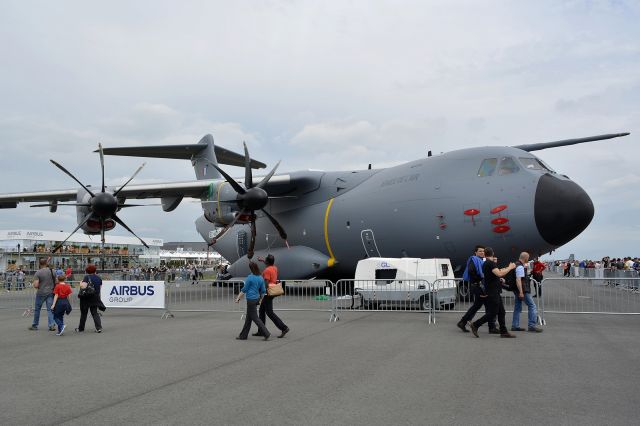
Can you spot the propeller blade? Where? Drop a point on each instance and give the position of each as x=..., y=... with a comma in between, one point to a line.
x=130, y=179
x=86, y=219
x=248, y=176
x=265, y=180
x=101, y=163
x=124, y=225
x=72, y=177
x=275, y=223
x=52, y=205
x=235, y=185
x=102, y=231
x=283, y=196
x=124, y=206
x=226, y=228
x=252, y=242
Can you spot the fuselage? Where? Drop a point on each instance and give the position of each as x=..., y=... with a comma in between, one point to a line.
x=438, y=206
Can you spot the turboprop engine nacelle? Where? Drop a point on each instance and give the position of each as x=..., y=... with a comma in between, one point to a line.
x=93, y=225
x=220, y=207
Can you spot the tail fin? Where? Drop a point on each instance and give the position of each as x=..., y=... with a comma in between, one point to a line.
x=203, y=155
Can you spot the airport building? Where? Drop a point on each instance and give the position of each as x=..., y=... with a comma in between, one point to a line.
x=24, y=247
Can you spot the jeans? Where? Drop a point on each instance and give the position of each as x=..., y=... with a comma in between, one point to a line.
x=531, y=308
x=58, y=312
x=36, y=313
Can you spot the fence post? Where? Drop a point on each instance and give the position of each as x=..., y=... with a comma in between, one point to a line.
x=167, y=295
x=541, y=300
x=333, y=315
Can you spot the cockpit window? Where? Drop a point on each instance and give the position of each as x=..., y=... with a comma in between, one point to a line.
x=534, y=164
x=508, y=166
x=487, y=167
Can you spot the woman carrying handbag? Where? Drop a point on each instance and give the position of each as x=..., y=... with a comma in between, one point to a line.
x=270, y=275
x=89, y=295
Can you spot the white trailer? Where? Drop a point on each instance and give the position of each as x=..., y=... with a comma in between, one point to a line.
x=405, y=282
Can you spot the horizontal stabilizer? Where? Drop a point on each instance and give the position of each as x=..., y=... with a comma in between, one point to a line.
x=555, y=144
x=183, y=152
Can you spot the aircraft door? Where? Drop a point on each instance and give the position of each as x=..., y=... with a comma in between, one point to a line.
x=369, y=243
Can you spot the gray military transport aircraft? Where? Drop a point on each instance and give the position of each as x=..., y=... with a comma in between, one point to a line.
x=319, y=224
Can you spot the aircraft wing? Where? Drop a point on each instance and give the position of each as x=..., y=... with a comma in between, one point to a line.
x=199, y=189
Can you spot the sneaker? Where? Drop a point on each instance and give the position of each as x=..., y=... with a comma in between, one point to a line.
x=61, y=330
x=52, y=328
x=33, y=327
x=506, y=334
x=241, y=338
x=535, y=329
x=462, y=326
x=77, y=330
x=99, y=330
x=285, y=331
x=474, y=329
x=267, y=337
x=494, y=331
x=517, y=329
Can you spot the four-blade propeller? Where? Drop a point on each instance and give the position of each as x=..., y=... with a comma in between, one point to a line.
x=249, y=199
x=102, y=206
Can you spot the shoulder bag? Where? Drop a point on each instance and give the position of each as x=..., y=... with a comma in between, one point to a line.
x=275, y=290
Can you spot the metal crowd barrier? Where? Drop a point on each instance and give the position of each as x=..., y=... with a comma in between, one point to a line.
x=219, y=296
x=614, y=294
x=24, y=298
x=416, y=296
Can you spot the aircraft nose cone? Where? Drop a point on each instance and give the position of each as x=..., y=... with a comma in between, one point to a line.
x=562, y=210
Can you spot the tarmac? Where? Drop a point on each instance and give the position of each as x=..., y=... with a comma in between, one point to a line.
x=368, y=368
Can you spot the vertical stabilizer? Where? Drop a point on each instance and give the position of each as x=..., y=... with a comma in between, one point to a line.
x=204, y=161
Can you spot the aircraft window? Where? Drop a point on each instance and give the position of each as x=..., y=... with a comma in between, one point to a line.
x=507, y=166
x=534, y=164
x=487, y=167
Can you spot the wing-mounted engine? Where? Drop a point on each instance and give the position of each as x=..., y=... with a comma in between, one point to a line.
x=93, y=226
x=221, y=206
x=96, y=210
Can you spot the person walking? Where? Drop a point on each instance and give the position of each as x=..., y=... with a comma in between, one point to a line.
x=522, y=292
x=254, y=289
x=20, y=279
x=270, y=276
x=492, y=276
x=91, y=301
x=474, y=276
x=61, y=305
x=44, y=281
x=536, y=273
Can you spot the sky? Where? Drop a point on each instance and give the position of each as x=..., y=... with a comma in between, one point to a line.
x=319, y=85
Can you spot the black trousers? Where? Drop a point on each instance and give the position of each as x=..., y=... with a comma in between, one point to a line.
x=266, y=310
x=494, y=307
x=252, y=316
x=85, y=307
x=478, y=302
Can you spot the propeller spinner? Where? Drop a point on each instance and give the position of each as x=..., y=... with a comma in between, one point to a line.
x=250, y=198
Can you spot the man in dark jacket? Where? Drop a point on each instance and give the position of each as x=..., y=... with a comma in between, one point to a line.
x=473, y=275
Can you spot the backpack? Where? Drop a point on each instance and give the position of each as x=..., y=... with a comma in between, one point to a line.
x=510, y=280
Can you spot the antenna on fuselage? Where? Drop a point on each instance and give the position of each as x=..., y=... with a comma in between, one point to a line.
x=429, y=153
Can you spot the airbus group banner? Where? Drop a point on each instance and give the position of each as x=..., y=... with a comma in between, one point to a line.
x=133, y=294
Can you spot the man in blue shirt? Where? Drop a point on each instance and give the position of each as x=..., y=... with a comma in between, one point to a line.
x=523, y=292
